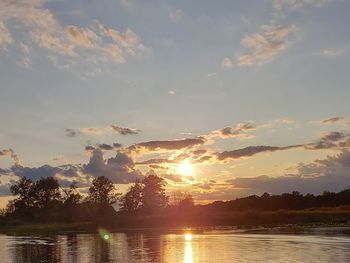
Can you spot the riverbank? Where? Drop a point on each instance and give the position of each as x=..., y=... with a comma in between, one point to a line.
x=281, y=221
x=86, y=227
x=46, y=228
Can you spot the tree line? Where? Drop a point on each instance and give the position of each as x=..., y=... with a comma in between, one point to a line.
x=46, y=201
x=285, y=201
x=146, y=204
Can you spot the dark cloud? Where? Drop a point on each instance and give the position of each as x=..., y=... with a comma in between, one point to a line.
x=89, y=148
x=106, y=147
x=117, y=145
x=329, y=174
x=156, y=161
x=289, y=183
x=332, y=120
x=71, y=133
x=239, y=131
x=65, y=174
x=103, y=146
x=124, y=131
x=251, y=150
x=119, y=169
x=157, y=167
x=331, y=140
x=168, y=145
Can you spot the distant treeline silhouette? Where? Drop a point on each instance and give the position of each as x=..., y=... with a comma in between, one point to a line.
x=146, y=204
x=286, y=201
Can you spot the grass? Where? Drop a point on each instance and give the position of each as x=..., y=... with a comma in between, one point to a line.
x=46, y=228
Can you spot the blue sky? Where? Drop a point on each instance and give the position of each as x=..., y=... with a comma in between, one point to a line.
x=169, y=71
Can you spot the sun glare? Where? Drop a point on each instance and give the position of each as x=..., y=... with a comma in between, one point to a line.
x=185, y=168
x=188, y=237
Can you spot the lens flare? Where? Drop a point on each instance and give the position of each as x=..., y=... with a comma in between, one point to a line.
x=105, y=235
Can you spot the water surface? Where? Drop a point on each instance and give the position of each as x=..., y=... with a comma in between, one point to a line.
x=210, y=247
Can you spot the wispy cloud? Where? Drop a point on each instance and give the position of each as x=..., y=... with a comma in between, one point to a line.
x=123, y=130
x=91, y=131
x=293, y=5
x=332, y=120
x=11, y=154
x=79, y=44
x=241, y=130
x=5, y=36
x=265, y=45
x=226, y=63
x=169, y=145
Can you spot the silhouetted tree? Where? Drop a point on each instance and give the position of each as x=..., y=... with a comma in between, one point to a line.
x=23, y=188
x=71, y=195
x=47, y=191
x=102, y=192
x=186, y=203
x=153, y=193
x=131, y=201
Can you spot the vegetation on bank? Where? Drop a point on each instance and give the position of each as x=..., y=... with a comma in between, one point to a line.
x=45, y=207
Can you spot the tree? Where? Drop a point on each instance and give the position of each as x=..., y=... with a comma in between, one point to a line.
x=131, y=201
x=153, y=194
x=71, y=195
x=187, y=203
x=23, y=188
x=47, y=191
x=102, y=192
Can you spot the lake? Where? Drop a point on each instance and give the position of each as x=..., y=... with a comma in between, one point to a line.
x=153, y=247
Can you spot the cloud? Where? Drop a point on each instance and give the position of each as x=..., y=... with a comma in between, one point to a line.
x=226, y=63
x=91, y=131
x=239, y=131
x=176, y=15
x=81, y=36
x=88, y=45
x=168, y=145
x=265, y=45
x=331, y=140
x=332, y=120
x=65, y=174
x=25, y=61
x=120, y=169
x=6, y=180
x=156, y=161
x=129, y=40
x=86, y=131
x=252, y=150
x=330, y=174
x=5, y=36
x=108, y=147
x=11, y=154
x=71, y=132
x=335, y=52
x=293, y=5
x=124, y=131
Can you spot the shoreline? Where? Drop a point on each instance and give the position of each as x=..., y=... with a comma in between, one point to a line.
x=89, y=228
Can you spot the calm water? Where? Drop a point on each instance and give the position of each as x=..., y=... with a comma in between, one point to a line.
x=208, y=247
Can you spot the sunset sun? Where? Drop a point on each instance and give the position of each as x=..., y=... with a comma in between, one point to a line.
x=185, y=168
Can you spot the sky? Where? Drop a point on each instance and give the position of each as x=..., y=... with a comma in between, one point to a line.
x=222, y=99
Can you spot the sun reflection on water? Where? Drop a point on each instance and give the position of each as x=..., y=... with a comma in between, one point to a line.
x=188, y=249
